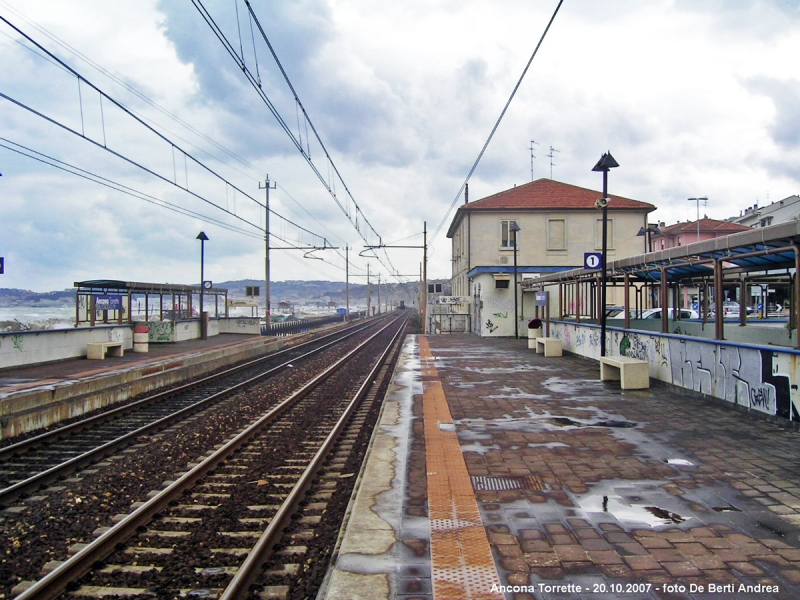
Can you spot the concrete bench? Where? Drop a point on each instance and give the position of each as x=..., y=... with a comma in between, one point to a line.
x=97, y=350
x=548, y=346
x=632, y=373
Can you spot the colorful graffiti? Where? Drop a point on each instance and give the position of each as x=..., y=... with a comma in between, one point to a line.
x=757, y=378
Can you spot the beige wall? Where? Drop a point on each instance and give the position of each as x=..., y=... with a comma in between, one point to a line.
x=476, y=241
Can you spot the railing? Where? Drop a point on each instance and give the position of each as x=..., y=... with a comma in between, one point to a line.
x=285, y=328
x=449, y=323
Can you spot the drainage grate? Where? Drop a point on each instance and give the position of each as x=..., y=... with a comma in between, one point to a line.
x=482, y=483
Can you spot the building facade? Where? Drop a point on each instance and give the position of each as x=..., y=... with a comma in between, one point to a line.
x=774, y=213
x=558, y=223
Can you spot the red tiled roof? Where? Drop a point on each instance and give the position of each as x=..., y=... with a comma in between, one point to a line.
x=706, y=225
x=547, y=194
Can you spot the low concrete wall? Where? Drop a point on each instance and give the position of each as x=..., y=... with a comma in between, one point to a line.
x=758, y=377
x=25, y=348
x=27, y=410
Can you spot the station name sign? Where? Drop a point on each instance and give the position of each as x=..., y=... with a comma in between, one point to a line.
x=108, y=302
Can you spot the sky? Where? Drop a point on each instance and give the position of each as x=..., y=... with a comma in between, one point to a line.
x=692, y=98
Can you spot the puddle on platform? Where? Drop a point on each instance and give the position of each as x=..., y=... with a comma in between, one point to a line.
x=679, y=462
x=504, y=370
x=550, y=445
x=622, y=510
x=619, y=424
x=729, y=508
x=478, y=448
x=516, y=394
x=572, y=386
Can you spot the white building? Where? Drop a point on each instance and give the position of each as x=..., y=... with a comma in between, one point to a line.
x=774, y=213
x=558, y=223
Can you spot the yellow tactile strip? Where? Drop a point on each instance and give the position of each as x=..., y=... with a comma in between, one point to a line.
x=461, y=558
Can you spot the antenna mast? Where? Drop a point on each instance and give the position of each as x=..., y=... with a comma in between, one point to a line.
x=552, y=164
x=532, y=157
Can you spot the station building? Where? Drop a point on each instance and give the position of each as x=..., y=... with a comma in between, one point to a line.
x=558, y=223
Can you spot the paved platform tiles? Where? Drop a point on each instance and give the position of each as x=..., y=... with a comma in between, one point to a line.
x=584, y=490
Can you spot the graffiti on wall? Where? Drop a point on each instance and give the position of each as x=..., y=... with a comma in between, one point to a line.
x=498, y=315
x=161, y=331
x=17, y=341
x=758, y=378
x=491, y=326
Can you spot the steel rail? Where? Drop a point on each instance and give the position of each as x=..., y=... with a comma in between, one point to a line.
x=75, y=567
x=250, y=569
x=33, y=483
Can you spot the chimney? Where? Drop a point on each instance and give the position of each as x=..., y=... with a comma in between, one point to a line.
x=466, y=193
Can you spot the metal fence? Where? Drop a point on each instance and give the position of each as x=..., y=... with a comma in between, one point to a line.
x=449, y=323
x=285, y=328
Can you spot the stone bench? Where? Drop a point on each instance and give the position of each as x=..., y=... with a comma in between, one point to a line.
x=548, y=346
x=97, y=350
x=632, y=373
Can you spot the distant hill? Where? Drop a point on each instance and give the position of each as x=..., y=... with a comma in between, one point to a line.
x=296, y=292
x=12, y=296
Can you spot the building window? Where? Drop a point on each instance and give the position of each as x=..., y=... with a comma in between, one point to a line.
x=507, y=236
x=556, y=234
x=598, y=234
x=501, y=284
x=765, y=222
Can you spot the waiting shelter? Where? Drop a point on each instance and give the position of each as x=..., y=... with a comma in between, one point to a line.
x=108, y=301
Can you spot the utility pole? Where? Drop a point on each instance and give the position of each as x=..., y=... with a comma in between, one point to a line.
x=369, y=292
x=347, y=281
x=267, y=187
x=379, y=293
x=424, y=307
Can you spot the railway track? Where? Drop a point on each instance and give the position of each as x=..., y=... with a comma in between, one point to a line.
x=260, y=496
x=40, y=460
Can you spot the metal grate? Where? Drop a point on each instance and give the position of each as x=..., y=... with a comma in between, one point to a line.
x=483, y=483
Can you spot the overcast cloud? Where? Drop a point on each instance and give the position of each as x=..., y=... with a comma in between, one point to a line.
x=692, y=97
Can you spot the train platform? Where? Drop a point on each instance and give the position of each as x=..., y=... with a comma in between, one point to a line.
x=498, y=473
x=39, y=395
x=77, y=368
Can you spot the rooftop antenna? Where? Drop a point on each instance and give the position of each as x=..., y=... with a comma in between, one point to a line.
x=552, y=150
x=532, y=157
x=704, y=200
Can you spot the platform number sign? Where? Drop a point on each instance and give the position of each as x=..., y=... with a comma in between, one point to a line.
x=593, y=261
x=2, y=265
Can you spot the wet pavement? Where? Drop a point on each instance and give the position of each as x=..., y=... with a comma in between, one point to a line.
x=653, y=493
x=584, y=490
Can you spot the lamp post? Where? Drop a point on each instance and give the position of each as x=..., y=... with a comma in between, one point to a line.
x=203, y=239
x=648, y=233
x=603, y=165
x=515, y=228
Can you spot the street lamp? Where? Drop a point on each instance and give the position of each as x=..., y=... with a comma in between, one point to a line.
x=605, y=163
x=203, y=329
x=648, y=232
x=515, y=228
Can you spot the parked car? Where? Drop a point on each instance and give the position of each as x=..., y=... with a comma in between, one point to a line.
x=686, y=313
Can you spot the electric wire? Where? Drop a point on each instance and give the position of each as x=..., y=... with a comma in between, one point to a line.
x=496, y=125
x=256, y=84
x=104, y=181
x=129, y=160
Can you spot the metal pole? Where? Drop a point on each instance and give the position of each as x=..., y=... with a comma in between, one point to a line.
x=424, y=307
x=604, y=275
x=516, y=317
x=203, y=333
x=347, y=281
x=267, y=186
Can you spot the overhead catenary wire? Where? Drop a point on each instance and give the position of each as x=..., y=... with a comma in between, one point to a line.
x=105, y=147
x=496, y=125
x=255, y=83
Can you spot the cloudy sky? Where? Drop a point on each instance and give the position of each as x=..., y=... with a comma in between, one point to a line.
x=692, y=97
